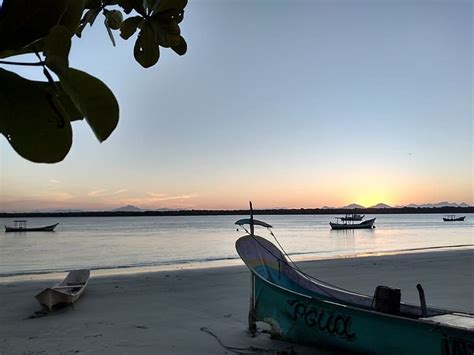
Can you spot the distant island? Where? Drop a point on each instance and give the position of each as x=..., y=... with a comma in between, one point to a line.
x=130, y=210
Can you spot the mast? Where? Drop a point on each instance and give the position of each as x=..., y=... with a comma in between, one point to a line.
x=252, y=318
x=251, y=219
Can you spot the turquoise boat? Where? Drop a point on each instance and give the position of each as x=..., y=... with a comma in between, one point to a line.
x=305, y=310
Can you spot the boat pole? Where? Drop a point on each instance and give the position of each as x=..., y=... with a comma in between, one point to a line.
x=421, y=293
x=252, y=317
x=251, y=220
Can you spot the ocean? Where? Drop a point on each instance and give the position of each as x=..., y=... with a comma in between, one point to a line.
x=118, y=243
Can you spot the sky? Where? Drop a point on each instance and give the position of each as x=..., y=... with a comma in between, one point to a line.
x=288, y=103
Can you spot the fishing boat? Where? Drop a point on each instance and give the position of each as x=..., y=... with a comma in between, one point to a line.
x=66, y=292
x=453, y=218
x=353, y=217
x=367, y=224
x=20, y=226
x=305, y=310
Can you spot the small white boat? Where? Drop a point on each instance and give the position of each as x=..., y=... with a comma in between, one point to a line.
x=66, y=292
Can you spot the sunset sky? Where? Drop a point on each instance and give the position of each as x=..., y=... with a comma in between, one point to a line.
x=287, y=103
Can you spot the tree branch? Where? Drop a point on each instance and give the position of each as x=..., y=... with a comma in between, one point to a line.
x=36, y=64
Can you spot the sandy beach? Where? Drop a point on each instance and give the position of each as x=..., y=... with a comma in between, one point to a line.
x=166, y=312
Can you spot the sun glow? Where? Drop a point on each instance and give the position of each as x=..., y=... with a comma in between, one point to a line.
x=373, y=198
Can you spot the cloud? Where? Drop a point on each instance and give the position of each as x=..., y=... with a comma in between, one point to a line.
x=119, y=191
x=54, y=181
x=153, y=194
x=163, y=197
x=105, y=192
x=97, y=192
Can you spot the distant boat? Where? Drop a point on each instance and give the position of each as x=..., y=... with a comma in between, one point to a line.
x=20, y=226
x=353, y=217
x=305, y=310
x=362, y=225
x=453, y=218
x=66, y=292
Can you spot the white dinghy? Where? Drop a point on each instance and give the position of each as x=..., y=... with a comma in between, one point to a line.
x=66, y=292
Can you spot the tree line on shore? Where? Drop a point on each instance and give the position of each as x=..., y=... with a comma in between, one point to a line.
x=282, y=211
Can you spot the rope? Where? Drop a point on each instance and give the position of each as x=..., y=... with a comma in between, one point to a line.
x=250, y=349
x=295, y=267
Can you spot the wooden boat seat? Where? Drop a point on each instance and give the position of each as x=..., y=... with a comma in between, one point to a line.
x=69, y=286
x=459, y=320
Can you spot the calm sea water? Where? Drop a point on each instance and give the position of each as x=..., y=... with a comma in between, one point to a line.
x=118, y=242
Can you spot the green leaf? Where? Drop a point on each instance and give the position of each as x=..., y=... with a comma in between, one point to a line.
x=109, y=31
x=146, y=50
x=129, y=5
x=31, y=120
x=55, y=89
x=56, y=49
x=23, y=22
x=181, y=47
x=114, y=18
x=92, y=4
x=72, y=16
x=94, y=100
x=129, y=26
x=30, y=48
x=88, y=18
x=163, y=5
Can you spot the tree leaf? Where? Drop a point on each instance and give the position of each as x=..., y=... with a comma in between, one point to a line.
x=114, y=18
x=181, y=47
x=146, y=50
x=31, y=120
x=30, y=48
x=92, y=4
x=129, y=26
x=56, y=49
x=126, y=5
x=23, y=22
x=56, y=90
x=109, y=31
x=88, y=18
x=72, y=16
x=94, y=100
x=129, y=5
x=163, y=5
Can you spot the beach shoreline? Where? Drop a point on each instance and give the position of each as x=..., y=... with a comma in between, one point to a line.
x=222, y=263
x=165, y=311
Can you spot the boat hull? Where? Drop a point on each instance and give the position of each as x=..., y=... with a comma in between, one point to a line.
x=307, y=320
x=37, y=229
x=305, y=310
x=66, y=292
x=458, y=219
x=363, y=225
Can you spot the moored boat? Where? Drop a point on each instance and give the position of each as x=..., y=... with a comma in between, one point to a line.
x=353, y=217
x=367, y=224
x=20, y=226
x=453, y=218
x=66, y=292
x=306, y=310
